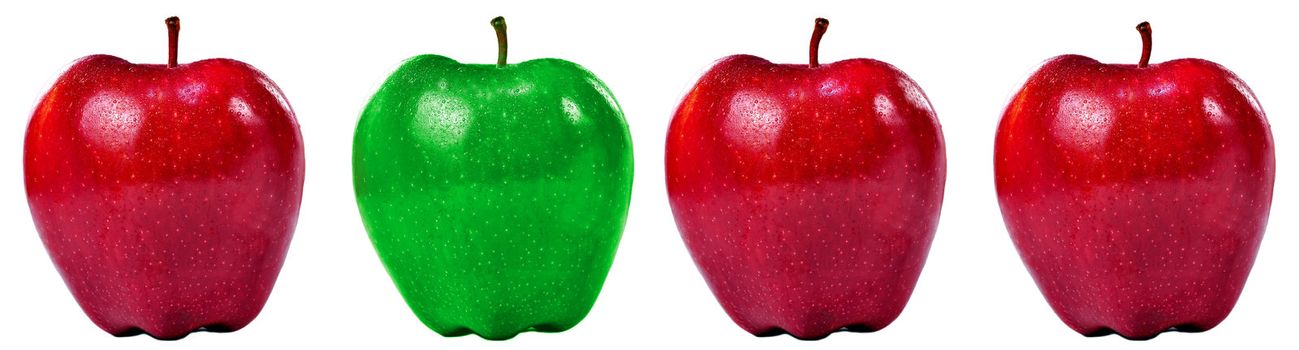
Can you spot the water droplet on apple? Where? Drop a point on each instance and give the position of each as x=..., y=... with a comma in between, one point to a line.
x=885, y=110
x=1213, y=110
x=111, y=120
x=440, y=119
x=571, y=110
x=240, y=109
x=754, y=120
x=1083, y=121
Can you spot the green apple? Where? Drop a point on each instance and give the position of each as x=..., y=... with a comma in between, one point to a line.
x=494, y=194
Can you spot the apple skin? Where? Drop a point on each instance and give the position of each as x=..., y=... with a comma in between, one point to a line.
x=808, y=197
x=1136, y=197
x=495, y=196
x=166, y=197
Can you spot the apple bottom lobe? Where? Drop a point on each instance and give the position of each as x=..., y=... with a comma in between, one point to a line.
x=168, y=316
x=773, y=331
x=856, y=328
x=132, y=331
x=870, y=311
x=492, y=332
x=495, y=307
x=1149, y=314
x=1189, y=315
x=1142, y=335
x=171, y=314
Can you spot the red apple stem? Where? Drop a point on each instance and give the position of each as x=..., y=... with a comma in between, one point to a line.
x=817, y=32
x=173, y=39
x=1144, y=29
x=502, y=45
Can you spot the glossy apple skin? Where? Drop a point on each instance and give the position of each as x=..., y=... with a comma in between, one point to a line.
x=1136, y=197
x=808, y=197
x=494, y=196
x=166, y=197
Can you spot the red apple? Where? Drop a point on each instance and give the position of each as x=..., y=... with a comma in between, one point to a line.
x=1136, y=194
x=808, y=195
x=165, y=194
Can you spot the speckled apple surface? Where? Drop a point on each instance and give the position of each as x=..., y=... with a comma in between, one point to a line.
x=166, y=196
x=1136, y=196
x=494, y=195
x=807, y=196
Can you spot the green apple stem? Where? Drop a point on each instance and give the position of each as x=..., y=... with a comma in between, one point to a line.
x=1144, y=29
x=502, y=45
x=817, y=32
x=173, y=38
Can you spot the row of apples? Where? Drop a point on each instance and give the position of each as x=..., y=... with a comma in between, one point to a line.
x=496, y=194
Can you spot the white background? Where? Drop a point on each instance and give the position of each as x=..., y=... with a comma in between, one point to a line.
x=329, y=59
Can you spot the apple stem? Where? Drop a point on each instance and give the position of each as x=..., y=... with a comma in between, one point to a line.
x=817, y=32
x=502, y=45
x=173, y=38
x=1144, y=29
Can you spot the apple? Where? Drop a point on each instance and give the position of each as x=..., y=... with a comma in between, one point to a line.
x=166, y=195
x=808, y=194
x=494, y=194
x=1136, y=194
